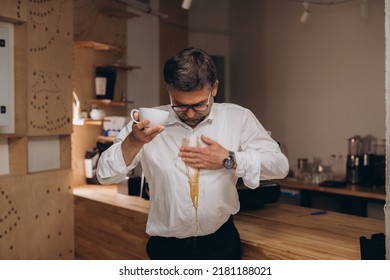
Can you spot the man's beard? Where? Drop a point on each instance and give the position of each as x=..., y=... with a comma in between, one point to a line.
x=192, y=121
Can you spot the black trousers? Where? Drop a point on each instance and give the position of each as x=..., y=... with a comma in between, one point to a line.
x=224, y=244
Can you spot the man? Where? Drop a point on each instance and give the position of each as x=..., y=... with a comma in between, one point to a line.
x=192, y=164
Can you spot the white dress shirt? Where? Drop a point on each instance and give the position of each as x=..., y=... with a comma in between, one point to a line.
x=171, y=212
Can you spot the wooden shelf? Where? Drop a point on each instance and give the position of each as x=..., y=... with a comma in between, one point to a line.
x=93, y=122
x=109, y=102
x=97, y=46
x=121, y=66
x=118, y=13
x=106, y=138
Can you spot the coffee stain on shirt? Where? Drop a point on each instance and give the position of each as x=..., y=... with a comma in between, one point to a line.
x=193, y=178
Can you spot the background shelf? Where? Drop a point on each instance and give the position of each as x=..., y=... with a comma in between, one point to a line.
x=106, y=138
x=121, y=66
x=117, y=13
x=97, y=46
x=109, y=102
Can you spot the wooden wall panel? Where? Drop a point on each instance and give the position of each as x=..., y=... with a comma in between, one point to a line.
x=36, y=210
x=92, y=23
x=36, y=218
x=17, y=147
x=49, y=67
x=14, y=11
x=65, y=152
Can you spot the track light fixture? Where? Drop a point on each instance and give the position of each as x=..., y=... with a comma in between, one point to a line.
x=186, y=4
x=364, y=8
x=306, y=12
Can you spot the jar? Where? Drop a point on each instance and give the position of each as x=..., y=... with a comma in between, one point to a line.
x=97, y=114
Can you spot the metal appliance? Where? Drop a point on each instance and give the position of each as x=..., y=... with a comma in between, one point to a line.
x=365, y=161
x=352, y=168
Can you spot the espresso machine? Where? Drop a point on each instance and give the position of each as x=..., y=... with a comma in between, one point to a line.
x=365, y=161
x=372, y=163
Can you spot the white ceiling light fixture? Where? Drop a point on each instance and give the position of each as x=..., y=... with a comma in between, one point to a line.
x=186, y=4
x=364, y=8
x=306, y=12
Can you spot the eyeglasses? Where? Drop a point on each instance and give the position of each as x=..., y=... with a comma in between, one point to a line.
x=196, y=107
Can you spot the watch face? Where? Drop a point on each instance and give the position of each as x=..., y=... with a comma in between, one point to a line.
x=228, y=163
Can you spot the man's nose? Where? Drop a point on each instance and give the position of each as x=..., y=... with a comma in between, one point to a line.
x=190, y=113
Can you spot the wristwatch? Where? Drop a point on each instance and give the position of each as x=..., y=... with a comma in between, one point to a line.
x=229, y=162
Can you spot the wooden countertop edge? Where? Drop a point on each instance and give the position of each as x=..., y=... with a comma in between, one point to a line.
x=351, y=190
x=109, y=194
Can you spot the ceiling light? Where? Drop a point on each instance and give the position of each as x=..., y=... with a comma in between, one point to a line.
x=306, y=13
x=186, y=4
x=364, y=8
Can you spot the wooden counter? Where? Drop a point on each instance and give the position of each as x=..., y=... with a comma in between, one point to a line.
x=350, y=199
x=281, y=231
x=377, y=193
x=109, y=225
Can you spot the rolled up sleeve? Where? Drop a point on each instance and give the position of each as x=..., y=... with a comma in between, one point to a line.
x=259, y=156
x=111, y=168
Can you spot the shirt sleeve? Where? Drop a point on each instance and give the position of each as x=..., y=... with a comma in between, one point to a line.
x=111, y=168
x=259, y=156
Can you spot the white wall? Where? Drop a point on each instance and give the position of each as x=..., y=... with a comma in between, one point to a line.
x=143, y=50
x=313, y=85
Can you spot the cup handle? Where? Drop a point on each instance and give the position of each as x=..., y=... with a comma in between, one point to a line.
x=132, y=115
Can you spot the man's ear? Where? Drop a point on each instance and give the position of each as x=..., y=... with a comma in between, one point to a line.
x=215, y=88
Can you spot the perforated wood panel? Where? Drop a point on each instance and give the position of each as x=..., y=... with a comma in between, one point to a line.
x=49, y=46
x=14, y=10
x=36, y=217
x=36, y=210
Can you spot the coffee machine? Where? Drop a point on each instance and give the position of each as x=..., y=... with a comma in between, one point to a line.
x=365, y=161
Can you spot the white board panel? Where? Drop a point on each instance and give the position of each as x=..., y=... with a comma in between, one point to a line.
x=4, y=156
x=7, y=103
x=43, y=153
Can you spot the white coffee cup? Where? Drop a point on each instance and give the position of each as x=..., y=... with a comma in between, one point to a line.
x=155, y=116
